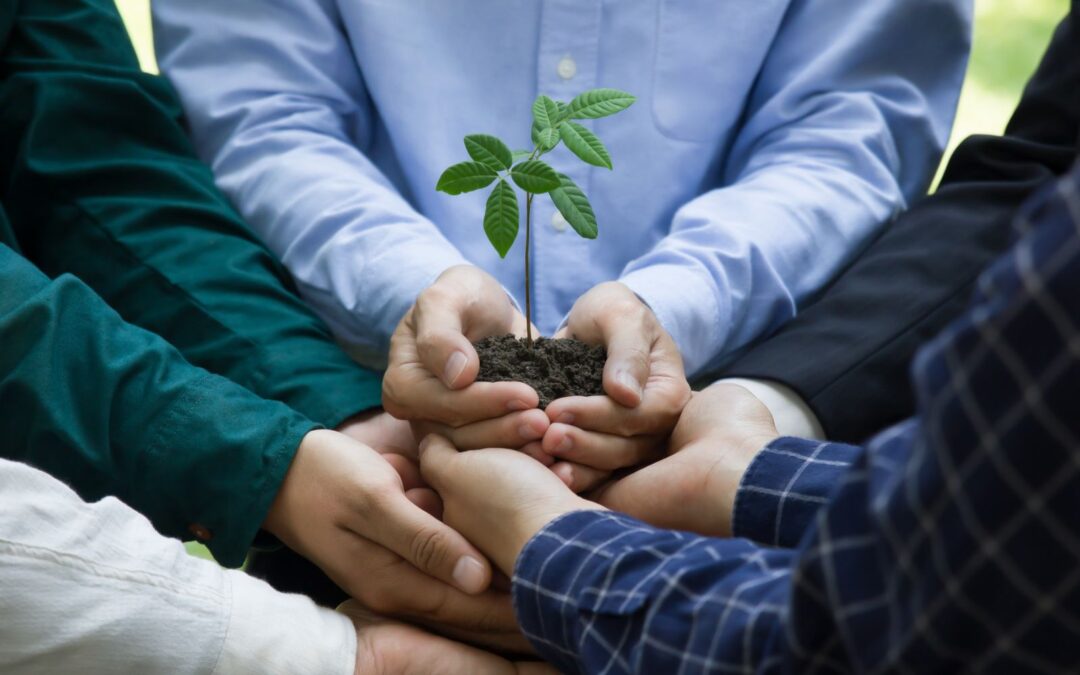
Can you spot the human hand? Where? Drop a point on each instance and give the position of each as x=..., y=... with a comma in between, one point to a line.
x=644, y=381
x=719, y=433
x=385, y=647
x=433, y=366
x=497, y=498
x=380, y=431
x=367, y=523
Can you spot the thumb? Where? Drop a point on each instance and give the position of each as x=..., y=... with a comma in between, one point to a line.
x=627, y=368
x=431, y=546
x=441, y=343
x=436, y=455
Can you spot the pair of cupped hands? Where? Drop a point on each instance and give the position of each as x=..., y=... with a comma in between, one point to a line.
x=412, y=530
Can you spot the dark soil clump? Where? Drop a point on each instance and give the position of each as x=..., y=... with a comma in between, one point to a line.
x=554, y=368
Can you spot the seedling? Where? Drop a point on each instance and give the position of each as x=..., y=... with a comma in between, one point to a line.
x=492, y=160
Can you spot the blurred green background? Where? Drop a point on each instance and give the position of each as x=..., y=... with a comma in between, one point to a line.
x=1010, y=36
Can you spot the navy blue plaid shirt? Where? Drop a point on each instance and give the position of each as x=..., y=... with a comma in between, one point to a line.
x=950, y=543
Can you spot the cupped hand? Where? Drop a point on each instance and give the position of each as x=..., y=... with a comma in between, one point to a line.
x=499, y=499
x=367, y=522
x=644, y=380
x=431, y=377
x=719, y=433
x=386, y=647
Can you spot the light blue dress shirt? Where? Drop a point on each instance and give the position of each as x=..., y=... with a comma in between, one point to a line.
x=770, y=141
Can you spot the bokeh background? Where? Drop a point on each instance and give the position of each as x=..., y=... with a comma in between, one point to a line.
x=1010, y=36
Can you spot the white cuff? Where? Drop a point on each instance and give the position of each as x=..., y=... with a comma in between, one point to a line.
x=791, y=414
x=280, y=634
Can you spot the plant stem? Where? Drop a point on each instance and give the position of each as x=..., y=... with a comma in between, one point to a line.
x=528, y=277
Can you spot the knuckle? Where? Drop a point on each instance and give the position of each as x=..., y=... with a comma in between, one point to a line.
x=382, y=598
x=428, y=549
x=392, y=398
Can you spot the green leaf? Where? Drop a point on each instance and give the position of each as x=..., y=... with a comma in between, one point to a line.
x=521, y=154
x=547, y=139
x=535, y=177
x=584, y=144
x=575, y=207
x=465, y=177
x=545, y=112
x=564, y=110
x=599, y=103
x=489, y=150
x=501, y=217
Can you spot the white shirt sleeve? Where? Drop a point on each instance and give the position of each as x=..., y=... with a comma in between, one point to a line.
x=791, y=414
x=93, y=588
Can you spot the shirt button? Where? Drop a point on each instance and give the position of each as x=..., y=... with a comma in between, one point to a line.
x=200, y=532
x=558, y=222
x=566, y=68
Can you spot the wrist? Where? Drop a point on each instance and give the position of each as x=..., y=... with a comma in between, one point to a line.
x=725, y=476
x=529, y=523
x=278, y=521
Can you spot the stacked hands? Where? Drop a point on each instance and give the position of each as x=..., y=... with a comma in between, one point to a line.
x=412, y=527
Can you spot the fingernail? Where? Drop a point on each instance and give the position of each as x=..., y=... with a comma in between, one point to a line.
x=530, y=432
x=424, y=443
x=626, y=379
x=516, y=405
x=455, y=365
x=469, y=574
x=566, y=474
x=564, y=446
x=566, y=418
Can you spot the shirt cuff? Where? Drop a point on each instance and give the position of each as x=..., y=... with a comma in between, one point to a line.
x=791, y=415
x=785, y=486
x=215, y=464
x=280, y=634
x=690, y=314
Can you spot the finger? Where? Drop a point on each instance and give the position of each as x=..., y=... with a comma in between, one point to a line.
x=448, y=317
x=407, y=470
x=437, y=455
x=388, y=585
x=413, y=394
x=628, y=330
x=655, y=416
x=509, y=431
x=427, y=499
x=512, y=642
x=536, y=451
x=599, y=450
x=430, y=545
x=626, y=370
x=578, y=477
x=422, y=652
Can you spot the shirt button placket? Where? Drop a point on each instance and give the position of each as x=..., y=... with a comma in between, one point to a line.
x=567, y=65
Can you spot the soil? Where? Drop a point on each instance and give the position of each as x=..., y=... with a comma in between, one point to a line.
x=554, y=368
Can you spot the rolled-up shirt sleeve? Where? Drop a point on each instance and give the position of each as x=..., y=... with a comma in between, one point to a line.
x=785, y=486
x=283, y=120
x=841, y=133
x=114, y=410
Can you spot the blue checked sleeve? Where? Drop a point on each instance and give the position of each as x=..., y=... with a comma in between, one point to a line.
x=597, y=591
x=949, y=544
x=785, y=485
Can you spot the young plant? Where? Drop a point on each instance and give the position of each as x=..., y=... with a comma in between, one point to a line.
x=492, y=160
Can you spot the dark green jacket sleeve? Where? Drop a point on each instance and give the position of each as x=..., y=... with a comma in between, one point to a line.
x=112, y=409
x=100, y=181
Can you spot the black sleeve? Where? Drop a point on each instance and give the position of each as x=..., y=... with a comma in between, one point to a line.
x=848, y=353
